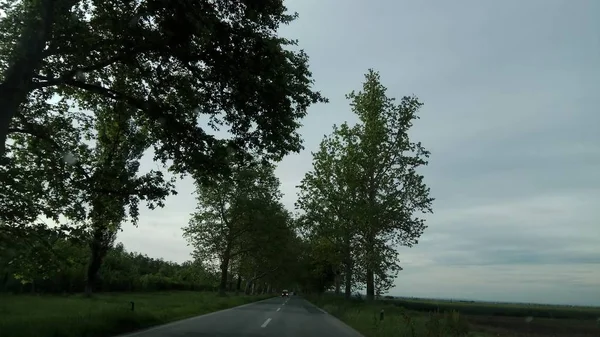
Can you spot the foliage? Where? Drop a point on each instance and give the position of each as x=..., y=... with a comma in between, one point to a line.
x=240, y=218
x=48, y=262
x=327, y=199
x=364, y=193
x=89, y=86
x=181, y=60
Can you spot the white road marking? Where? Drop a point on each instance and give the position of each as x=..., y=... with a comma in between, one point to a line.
x=278, y=309
x=265, y=323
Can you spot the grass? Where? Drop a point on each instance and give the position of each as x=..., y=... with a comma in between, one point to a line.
x=397, y=321
x=414, y=318
x=501, y=309
x=105, y=314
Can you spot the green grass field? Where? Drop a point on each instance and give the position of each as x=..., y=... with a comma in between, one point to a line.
x=501, y=309
x=104, y=314
x=427, y=318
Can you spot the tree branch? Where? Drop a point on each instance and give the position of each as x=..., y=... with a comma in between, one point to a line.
x=263, y=274
x=33, y=131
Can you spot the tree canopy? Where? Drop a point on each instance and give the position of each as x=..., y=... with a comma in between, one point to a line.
x=364, y=194
x=89, y=88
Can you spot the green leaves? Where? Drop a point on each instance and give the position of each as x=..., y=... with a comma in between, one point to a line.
x=166, y=64
x=242, y=225
x=364, y=193
x=184, y=59
x=89, y=86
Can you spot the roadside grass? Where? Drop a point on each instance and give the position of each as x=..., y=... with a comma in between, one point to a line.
x=500, y=309
x=365, y=317
x=448, y=319
x=106, y=314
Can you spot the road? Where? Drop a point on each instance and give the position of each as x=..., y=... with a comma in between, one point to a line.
x=274, y=317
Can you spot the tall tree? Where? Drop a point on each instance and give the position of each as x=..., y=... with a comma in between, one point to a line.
x=364, y=193
x=327, y=197
x=87, y=171
x=117, y=189
x=392, y=192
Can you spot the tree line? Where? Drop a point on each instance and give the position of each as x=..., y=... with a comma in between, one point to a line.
x=89, y=87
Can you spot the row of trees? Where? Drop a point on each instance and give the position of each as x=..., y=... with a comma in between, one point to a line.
x=359, y=203
x=91, y=86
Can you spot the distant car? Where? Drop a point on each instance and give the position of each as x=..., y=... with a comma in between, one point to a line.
x=285, y=293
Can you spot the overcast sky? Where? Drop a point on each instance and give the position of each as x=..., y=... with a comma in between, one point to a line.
x=510, y=116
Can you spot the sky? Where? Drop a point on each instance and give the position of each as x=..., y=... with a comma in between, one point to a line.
x=511, y=117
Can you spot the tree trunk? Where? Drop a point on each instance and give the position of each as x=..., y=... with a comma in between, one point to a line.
x=230, y=283
x=370, y=284
x=250, y=285
x=28, y=57
x=98, y=251
x=238, y=286
x=347, y=268
x=348, y=281
x=338, y=281
x=224, y=270
x=369, y=268
x=92, y=272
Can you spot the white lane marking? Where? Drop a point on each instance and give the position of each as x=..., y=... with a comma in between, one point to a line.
x=278, y=309
x=265, y=323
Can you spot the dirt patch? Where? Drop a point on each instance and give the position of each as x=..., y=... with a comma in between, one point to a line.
x=537, y=327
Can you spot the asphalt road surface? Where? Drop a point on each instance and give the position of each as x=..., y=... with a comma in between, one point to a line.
x=274, y=317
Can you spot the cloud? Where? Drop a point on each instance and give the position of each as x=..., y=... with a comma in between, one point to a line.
x=511, y=117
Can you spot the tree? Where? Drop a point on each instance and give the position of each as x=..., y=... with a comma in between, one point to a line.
x=99, y=188
x=364, y=193
x=117, y=189
x=391, y=192
x=234, y=215
x=316, y=272
x=327, y=197
x=183, y=59
x=272, y=251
